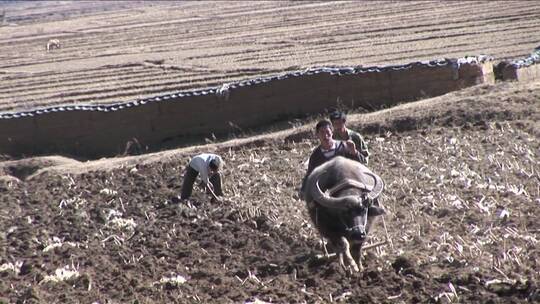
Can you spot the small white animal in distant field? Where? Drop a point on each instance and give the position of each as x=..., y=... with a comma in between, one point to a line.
x=223, y=92
x=52, y=44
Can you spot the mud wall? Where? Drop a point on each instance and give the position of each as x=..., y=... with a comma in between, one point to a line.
x=525, y=69
x=95, y=131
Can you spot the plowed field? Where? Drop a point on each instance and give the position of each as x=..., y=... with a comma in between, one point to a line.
x=121, y=51
x=462, y=195
x=462, y=170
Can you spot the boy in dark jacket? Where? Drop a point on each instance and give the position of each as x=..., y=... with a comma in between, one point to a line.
x=328, y=148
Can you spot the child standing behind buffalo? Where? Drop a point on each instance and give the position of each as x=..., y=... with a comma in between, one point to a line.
x=208, y=166
x=328, y=148
x=341, y=132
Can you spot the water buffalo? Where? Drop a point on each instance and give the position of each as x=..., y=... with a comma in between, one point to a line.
x=341, y=197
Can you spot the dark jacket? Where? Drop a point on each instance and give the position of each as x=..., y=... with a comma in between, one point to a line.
x=318, y=158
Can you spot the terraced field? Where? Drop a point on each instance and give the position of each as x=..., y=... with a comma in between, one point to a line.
x=122, y=51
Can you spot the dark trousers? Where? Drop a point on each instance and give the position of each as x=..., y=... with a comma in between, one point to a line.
x=189, y=179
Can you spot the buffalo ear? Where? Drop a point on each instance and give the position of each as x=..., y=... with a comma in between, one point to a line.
x=375, y=211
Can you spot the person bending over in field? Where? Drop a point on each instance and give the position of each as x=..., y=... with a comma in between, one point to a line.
x=208, y=165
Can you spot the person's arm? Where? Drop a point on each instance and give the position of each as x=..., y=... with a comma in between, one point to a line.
x=203, y=171
x=361, y=145
x=210, y=189
x=364, y=150
x=348, y=150
x=314, y=161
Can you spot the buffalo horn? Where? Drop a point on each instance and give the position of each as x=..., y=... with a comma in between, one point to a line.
x=327, y=201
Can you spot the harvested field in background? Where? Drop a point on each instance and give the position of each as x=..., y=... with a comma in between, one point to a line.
x=122, y=51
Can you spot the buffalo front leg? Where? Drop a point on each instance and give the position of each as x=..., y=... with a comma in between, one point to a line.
x=357, y=254
x=346, y=253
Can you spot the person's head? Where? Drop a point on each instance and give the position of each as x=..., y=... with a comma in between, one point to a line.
x=214, y=165
x=338, y=120
x=323, y=129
